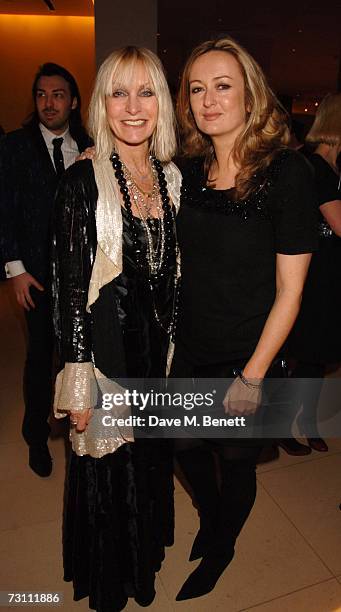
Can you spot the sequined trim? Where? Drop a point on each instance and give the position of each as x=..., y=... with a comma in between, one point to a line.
x=195, y=193
x=75, y=389
x=79, y=384
x=99, y=439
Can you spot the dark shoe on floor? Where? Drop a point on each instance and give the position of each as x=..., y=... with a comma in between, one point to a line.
x=293, y=447
x=318, y=444
x=205, y=576
x=40, y=460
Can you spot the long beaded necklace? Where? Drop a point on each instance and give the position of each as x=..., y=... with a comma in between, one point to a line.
x=158, y=258
x=155, y=254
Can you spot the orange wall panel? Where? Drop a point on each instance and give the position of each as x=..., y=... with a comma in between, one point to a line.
x=27, y=41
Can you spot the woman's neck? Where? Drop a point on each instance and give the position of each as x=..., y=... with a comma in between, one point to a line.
x=223, y=170
x=136, y=158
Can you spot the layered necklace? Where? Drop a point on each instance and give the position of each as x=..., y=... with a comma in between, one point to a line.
x=159, y=255
x=145, y=203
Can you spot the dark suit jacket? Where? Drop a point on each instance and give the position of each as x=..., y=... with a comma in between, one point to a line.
x=28, y=183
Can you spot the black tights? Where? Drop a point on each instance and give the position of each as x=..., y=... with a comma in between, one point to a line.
x=222, y=475
x=223, y=481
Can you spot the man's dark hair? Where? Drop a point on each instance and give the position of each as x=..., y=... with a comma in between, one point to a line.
x=75, y=120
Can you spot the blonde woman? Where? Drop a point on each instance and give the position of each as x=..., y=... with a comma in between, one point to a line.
x=246, y=230
x=316, y=338
x=114, y=284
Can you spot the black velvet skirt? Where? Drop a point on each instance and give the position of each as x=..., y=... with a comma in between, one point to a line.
x=118, y=518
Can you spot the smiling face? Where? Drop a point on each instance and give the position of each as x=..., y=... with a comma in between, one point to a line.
x=54, y=103
x=132, y=109
x=217, y=95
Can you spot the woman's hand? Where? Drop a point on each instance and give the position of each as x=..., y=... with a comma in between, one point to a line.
x=89, y=153
x=80, y=420
x=243, y=397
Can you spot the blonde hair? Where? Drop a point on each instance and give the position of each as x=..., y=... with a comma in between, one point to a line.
x=327, y=124
x=118, y=68
x=266, y=128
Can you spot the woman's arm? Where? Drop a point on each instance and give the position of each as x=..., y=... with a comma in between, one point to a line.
x=332, y=214
x=291, y=271
x=292, y=206
x=73, y=254
x=244, y=395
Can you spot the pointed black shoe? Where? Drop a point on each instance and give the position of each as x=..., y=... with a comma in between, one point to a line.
x=40, y=460
x=205, y=576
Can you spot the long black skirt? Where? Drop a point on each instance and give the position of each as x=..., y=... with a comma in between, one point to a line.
x=118, y=518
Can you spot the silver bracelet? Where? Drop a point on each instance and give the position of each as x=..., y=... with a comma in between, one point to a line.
x=247, y=383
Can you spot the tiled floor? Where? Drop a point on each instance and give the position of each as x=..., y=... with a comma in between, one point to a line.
x=288, y=557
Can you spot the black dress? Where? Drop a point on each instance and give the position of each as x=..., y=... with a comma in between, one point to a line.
x=118, y=510
x=228, y=268
x=228, y=258
x=316, y=337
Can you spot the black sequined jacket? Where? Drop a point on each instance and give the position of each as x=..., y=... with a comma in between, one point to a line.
x=73, y=255
x=86, y=340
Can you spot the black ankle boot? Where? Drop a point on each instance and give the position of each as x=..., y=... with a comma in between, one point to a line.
x=205, y=576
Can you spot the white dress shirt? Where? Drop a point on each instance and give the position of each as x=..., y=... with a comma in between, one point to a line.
x=70, y=151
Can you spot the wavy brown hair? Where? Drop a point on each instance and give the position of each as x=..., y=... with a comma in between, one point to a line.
x=266, y=130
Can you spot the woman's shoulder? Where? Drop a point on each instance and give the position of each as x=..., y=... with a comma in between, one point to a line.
x=291, y=159
x=81, y=170
x=77, y=185
x=79, y=175
x=290, y=167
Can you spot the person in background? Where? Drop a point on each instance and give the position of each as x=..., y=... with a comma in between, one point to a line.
x=246, y=230
x=315, y=342
x=32, y=159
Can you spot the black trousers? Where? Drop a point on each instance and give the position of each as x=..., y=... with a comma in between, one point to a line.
x=38, y=369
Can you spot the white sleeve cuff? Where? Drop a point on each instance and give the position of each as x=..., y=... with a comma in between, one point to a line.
x=75, y=389
x=14, y=268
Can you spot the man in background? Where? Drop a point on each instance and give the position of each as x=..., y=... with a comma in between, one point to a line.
x=32, y=159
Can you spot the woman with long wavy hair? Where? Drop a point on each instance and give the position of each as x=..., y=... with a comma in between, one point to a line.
x=246, y=230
